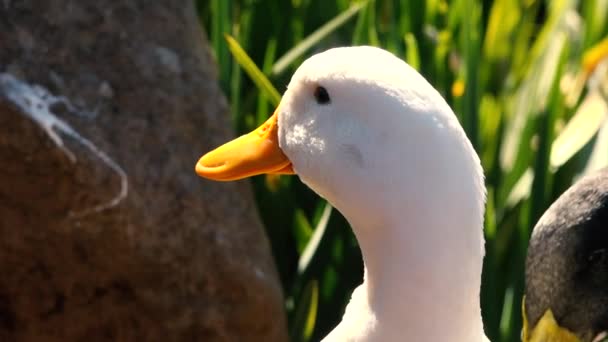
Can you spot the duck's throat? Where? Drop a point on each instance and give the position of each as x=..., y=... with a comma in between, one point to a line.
x=422, y=281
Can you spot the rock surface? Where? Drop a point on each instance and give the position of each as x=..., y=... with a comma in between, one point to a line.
x=106, y=233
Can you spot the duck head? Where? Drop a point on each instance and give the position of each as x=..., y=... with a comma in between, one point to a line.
x=358, y=126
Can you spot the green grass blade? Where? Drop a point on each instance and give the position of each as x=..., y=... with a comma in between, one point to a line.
x=580, y=129
x=471, y=36
x=256, y=75
x=298, y=50
x=372, y=33
x=306, y=313
x=595, y=14
x=521, y=189
x=599, y=155
x=542, y=170
x=412, y=55
x=263, y=112
x=503, y=20
x=242, y=32
x=490, y=216
x=532, y=94
x=507, y=314
x=302, y=230
x=220, y=25
x=312, y=246
x=490, y=119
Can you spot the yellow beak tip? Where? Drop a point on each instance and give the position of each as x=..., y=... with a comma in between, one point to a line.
x=209, y=168
x=201, y=169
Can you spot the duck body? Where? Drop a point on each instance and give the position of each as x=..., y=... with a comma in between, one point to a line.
x=368, y=133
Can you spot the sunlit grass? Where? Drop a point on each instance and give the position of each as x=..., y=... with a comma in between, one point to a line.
x=527, y=79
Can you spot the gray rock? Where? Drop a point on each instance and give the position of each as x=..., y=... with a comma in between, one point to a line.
x=106, y=233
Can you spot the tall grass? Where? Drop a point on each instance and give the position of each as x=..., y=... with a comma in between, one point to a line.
x=527, y=79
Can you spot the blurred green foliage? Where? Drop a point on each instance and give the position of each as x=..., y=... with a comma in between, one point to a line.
x=527, y=79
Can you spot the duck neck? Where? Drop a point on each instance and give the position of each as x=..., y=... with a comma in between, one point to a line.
x=423, y=280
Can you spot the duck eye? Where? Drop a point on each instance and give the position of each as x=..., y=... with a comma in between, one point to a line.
x=322, y=96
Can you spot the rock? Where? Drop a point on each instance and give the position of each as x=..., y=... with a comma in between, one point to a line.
x=106, y=233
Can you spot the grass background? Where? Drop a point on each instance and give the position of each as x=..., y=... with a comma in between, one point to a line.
x=528, y=80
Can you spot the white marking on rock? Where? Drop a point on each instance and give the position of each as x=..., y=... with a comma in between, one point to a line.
x=168, y=58
x=36, y=101
x=105, y=90
x=258, y=272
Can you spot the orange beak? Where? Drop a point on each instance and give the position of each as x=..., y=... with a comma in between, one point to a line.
x=252, y=154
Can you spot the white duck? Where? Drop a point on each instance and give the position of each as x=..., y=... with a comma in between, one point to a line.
x=368, y=133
